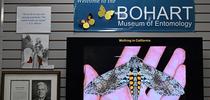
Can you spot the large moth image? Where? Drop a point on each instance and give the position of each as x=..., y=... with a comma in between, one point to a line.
x=134, y=74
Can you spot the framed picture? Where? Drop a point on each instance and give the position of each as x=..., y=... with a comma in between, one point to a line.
x=30, y=85
x=35, y=51
x=135, y=68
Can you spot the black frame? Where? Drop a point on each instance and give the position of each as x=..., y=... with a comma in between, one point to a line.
x=31, y=72
x=75, y=46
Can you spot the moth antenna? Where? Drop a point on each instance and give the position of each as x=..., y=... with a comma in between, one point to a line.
x=117, y=56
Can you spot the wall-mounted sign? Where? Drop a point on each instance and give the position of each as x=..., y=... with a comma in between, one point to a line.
x=130, y=68
x=33, y=20
x=134, y=15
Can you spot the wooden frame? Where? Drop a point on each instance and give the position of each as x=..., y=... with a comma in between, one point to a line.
x=27, y=85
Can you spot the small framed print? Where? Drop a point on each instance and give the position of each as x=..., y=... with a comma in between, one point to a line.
x=35, y=51
x=30, y=85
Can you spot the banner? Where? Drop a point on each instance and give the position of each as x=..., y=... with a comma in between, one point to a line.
x=134, y=15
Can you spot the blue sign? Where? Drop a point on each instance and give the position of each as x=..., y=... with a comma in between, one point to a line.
x=134, y=15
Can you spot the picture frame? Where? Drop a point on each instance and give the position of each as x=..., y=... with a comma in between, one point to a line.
x=35, y=51
x=30, y=85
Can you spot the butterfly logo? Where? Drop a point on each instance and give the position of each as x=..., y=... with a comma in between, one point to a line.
x=85, y=24
x=106, y=14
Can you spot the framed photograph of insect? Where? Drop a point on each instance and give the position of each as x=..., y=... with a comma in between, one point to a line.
x=134, y=68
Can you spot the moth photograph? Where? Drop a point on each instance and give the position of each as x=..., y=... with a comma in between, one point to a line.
x=133, y=74
x=135, y=68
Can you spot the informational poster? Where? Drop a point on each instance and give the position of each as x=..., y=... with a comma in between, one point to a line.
x=134, y=15
x=134, y=68
x=20, y=89
x=33, y=20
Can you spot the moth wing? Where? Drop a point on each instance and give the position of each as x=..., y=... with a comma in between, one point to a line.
x=102, y=11
x=109, y=81
x=162, y=83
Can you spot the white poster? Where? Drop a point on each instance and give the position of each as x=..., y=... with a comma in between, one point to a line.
x=19, y=90
x=33, y=19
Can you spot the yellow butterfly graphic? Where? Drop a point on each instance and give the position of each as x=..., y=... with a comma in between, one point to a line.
x=103, y=13
x=85, y=24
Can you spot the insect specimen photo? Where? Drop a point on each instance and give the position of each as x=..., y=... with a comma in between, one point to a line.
x=115, y=69
x=132, y=74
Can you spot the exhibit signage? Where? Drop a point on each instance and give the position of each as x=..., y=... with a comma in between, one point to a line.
x=134, y=15
x=132, y=68
x=33, y=20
